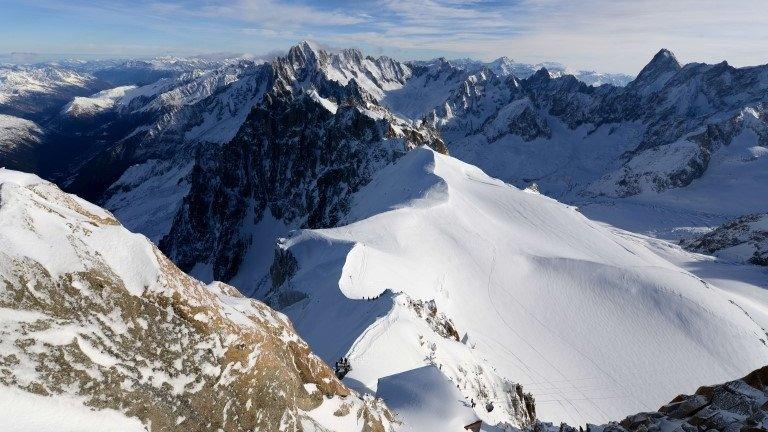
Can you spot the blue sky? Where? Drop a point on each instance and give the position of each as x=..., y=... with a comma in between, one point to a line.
x=611, y=36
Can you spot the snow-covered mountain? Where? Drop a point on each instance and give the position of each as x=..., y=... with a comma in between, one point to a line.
x=505, y=66
x=100, y=331
x=29, y=89
x=181, y=102
x=141, y=72
x=100, y=102
x=156, y=154
x=302, y=151
x=516, y=287
x=429, y=85
x=691, y=138
x=74, y=104
x=665, y=105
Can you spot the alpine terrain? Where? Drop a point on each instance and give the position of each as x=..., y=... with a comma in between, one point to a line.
x=494, y=244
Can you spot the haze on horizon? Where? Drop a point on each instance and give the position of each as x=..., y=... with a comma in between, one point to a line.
x=604, y=35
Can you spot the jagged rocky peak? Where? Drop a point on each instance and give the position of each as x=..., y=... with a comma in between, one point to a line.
x=541, y=76
x=663, y=61
x=502, y=66
x=436, y=68
x=503, y=60
x=658, y=71
x=306, y=51
x=352, y=55
x=105, y=324
x=306, y=63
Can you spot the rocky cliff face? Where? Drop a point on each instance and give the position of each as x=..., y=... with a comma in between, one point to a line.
x=105, y=319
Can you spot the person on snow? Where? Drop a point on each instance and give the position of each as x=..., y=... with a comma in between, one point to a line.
x=342, y=367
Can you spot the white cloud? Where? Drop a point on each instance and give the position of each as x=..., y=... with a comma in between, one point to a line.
x=622, y=35
x=607, y=35
x=272, y=13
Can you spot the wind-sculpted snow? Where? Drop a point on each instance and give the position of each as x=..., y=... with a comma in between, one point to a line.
x=425, y=400
x=99, y=327
x=594, y=324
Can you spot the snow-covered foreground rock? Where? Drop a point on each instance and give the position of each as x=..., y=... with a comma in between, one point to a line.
x=99, y=331
x=440, y=264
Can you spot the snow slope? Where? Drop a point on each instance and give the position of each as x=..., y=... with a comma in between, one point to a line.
x=425, y=400
x=746, y=285
x=22, y=411
x=594, y=324
x=97, y=103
